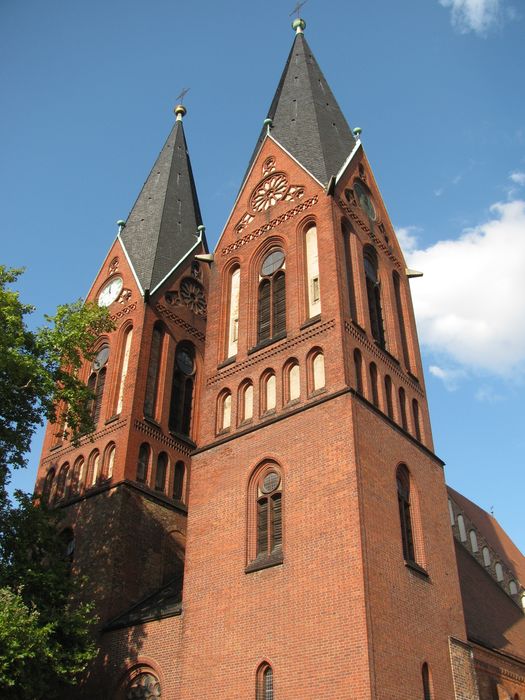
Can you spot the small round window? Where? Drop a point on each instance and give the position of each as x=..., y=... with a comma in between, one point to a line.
x=101, y=358
x=270, y=482
x=365, y=200
x=272, y=262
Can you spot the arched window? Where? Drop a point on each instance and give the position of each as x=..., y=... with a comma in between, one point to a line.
x=425, y=677
x=513, y=588
x=160, y=474
x=48, y=490
x=403, y=499
x=312, y=272
x=152, y=382
x=389, y=398
x=268, y=516
x=451, y=512
x=499, y=572
x=61, y=481
x=473, y=541
x=264, y=683
x=124, y=363
x=271, y=315
x=143, y=685
x=415, y=415
x=143, y=463
x=347, y=242
x=401, y=318
x=268, y=392
x=233, y=312
x=224, y=411
x=97, y=381
x=178, y=481
x=462, y=529
x=373, y=292
x=486, y=556
x=77, y=477
x=292, y=382
x=373, y=384
x=94, y=468
x=109, y=461
x=182, y=385
x=246, y=402
x=403, y=408
x=317, y=370
x=358, y=365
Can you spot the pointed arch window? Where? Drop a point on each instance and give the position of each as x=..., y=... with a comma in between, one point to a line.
x=62, y=481
x=178, y=481
x=143, y=463
x=312, y=272
x=451, y=512
x=265, y=518
x=47, y=491
x=373, y=292
x=401, y=318
x=373, y=384
x=513, y=587
x=405, y=516
x=347, y=242
x=182, y=386
x=425, y=677
x=160, y=474
x=152, y=382
x=109, y=461
x=126, y=350
x=264, y=683
x=292, y=381
x=233, y=312
x=462, y=529
x=389, y=397
x=473, y=541
x=77, y=477
x=97, y=381
x=94, y=468
x=415, y=416
x=499, y=572
x=486, y=556
x=403, y=408
x=358, y=366
x=246, y=402
x=268, y=392
x=271, y=316
x=224, y=411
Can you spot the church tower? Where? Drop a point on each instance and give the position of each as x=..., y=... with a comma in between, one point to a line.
x=124, y=489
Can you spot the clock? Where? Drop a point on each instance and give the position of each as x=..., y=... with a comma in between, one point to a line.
x=365, y=200
x=101, y=358
x=185, y=362
x=110, y=291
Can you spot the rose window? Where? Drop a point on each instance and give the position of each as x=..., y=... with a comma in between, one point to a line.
x=144, y=687
x=192, y=294
x=269, y=192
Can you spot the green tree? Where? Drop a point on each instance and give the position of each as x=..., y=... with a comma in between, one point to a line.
x=46, y=636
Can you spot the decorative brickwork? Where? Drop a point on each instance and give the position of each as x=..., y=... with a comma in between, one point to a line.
x=465, y=683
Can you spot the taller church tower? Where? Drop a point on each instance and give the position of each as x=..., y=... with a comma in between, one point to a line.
x=319, y=558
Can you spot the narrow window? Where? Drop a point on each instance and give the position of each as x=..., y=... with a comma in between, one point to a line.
x=401, y=318
x=513, y=588
x=425, y=675
x=94, y=467
x=318, y=373
x=403, y=408
x=47, y=491
x=347, y=241
x=264, y=683
x=499, y=572
x=143, y=463
x=233, y=316
x=61, y=481
x=403, y=498
x=473, y=541
x=152, y=383
x=486, y=556
x=124, y=369
x=415, y=415
x=224, y=411
x=312, y=273
x=246, y=402
x=109, y=461
x=160, y=475
x=269, y=393
x=181, y=402
x=272, y=298
x=462, y=529
x=178, y=481
x=389, y=398
x=293, y=379
x=358, y=365
x=373, y=384
x=451, y=512
x=269, y=514
x=373, y=292
x=77, y=477
x=97, y=381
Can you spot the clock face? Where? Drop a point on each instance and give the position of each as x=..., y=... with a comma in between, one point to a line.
x=110, y=291
x=365, y=200
x=185, y=361
x=101, y=358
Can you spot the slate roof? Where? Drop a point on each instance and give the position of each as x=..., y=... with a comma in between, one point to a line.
x=307, y=120
x=162, y=225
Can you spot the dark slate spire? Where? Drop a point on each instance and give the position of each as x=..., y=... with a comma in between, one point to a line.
x=162, y=226
x=306, y=118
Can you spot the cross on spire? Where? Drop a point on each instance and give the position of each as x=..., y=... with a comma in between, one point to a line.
x=297, y=7
x=180, y=97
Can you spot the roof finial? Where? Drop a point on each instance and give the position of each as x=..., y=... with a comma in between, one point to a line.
x=298, y=24
x=180, y=110
x=357, y=133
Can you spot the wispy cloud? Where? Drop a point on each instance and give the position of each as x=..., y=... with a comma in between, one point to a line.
x=474, y=15
x=518, y=178
x=470, y=304
x=449, y=376
x=407, y=237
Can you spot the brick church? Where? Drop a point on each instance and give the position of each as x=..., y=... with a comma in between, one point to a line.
x=260, y=513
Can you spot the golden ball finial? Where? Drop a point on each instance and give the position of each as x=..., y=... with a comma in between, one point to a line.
x=180, y=111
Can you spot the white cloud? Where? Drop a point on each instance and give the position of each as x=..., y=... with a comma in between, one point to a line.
x=518, y=178
x=449, y=376
x=474, y=15
x=406, y=235
x=470, y=304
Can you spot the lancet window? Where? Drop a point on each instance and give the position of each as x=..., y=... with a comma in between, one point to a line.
x=271, y=317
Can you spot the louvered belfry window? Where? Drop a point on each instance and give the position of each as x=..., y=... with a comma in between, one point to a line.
x=181, y=401
x=373, y=292
x=269, y=514
x=271, y=317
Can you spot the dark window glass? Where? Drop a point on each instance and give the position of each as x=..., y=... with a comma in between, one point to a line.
x=99, y=394
x=373, y=292
x=160, y=476
x=264, y=689
x=61, y=481
x=403, y=498
x=181, y=402
x=143, y=462
x=152, y=381
x=403, y=408
x=358, y=363
x=373, y=383
x=48, y=487
x=347, y=239
x=269, y=515
x=401, y=319
x=426, y=682
x=388, y=394
x=415, y=414
x=271, y=318
x=178, y=481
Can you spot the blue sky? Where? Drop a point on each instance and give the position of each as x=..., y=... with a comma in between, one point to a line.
x=437, y=86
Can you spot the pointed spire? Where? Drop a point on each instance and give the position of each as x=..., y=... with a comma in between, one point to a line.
x=162, y=226
x=306, y=118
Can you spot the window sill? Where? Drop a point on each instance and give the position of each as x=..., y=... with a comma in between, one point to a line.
x=112, y=419
x=267, y=414
x=224, y=431
x=248, y=421
x=183, y=438
x=227, y=362
x=317, y=392
x=310, y=322
x=417, y=569
x=265, y=562
x=265, y=343
x=359, y=327
x=153, y=422
x=292, y=403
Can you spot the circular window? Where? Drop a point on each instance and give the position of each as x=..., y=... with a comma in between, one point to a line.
x=365, y=200
x=272, y=262
x=271, y=482
x=185, y=361
x=101, y=358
